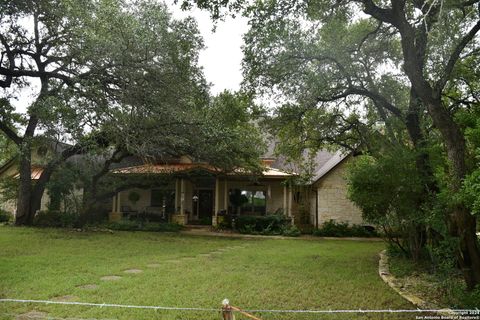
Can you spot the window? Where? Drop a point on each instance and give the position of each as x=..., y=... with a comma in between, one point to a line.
x=256, y=204
x=163, y=198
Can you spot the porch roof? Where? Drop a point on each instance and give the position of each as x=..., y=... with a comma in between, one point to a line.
x=171, y=168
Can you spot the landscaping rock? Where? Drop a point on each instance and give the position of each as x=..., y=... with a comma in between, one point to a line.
x=110, y=278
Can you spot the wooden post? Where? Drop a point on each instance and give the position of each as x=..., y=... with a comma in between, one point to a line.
x=227, y=313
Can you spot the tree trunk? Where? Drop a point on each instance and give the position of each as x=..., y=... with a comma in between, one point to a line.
x=463, y=224
x=25, y=186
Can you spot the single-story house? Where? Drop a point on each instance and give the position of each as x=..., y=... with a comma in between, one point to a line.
x=198, y=193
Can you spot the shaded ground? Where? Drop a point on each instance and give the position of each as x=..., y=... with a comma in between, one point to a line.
x=189, y=271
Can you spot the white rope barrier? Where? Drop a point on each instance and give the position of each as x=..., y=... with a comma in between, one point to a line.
x=114, y=305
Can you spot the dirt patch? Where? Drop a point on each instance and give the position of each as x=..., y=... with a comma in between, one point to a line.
x=88, y=286
x=32, y=315
x=154, y=265
x=110, y=278
x=65, y=298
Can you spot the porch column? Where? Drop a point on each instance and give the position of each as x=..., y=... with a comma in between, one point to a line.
x=290, y=200
x=285, y=200
x=268, y=198
x=119, y=203
x=225, y=197
x=177, y=196
x=116, y=214
x=217, y=203
x=114, y=203
x=182, y=196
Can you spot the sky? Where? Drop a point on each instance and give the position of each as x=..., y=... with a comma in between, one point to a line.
x=222, y=57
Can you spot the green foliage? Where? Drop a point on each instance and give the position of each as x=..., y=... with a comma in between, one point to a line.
x=388, y=189
x=133, y=197
x=55, y=219
x=291, y=231
x=388, y=184
x=470, y=193
x=332, y=228
x=61, y=189
x=127, y=225
x=5, y=216
x=230, y=138
x=266, y=225
x=9, y=188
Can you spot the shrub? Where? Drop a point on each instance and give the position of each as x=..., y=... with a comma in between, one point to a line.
x=332, y=228
x=291, y=231
x=268, y=225
x=55, y=219
x=5, y=216
x=127, y=225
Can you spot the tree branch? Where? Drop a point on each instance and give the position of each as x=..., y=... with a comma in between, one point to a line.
x=384, y=15
x=454, y=58
x=10, y=133
x=379, y=99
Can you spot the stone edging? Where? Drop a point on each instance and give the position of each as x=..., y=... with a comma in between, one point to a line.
x=394, y=283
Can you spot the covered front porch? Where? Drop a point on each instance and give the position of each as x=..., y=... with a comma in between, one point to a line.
x=203, y=199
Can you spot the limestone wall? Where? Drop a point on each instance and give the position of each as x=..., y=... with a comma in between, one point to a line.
x=333, y=203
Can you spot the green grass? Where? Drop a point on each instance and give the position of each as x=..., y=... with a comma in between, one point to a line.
x=265, y=274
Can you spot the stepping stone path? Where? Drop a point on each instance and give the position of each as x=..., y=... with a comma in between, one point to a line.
x=110, y=278
x=88, y=287
x=32, y=315
x=65, y=298
x=133, y=271
x=154, y=265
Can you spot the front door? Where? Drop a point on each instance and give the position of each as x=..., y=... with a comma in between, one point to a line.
x=205, y=206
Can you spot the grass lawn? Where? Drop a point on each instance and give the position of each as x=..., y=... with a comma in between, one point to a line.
x=189, y=271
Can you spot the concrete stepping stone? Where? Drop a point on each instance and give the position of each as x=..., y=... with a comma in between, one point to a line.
x=88, y=286
x=65, y=298
x=133, y=271
x=32, y=315
x=110, y=278
x=204, y=255
x=154, y=265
